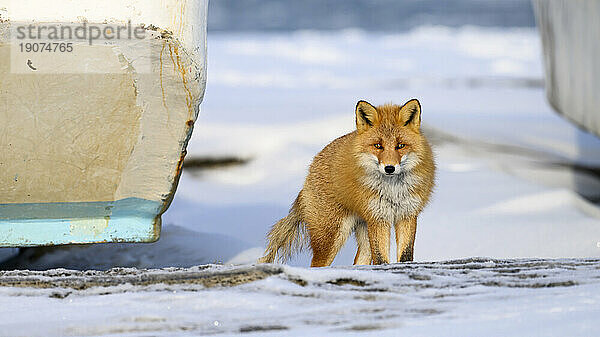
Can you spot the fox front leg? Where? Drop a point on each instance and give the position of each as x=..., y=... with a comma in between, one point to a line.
x=379, y=240
x=406, y=231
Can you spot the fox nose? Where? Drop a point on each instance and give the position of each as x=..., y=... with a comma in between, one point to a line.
x=389, y=169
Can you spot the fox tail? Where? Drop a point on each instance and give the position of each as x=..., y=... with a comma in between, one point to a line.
x=286, y=237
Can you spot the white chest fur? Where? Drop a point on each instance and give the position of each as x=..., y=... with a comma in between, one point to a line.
x=397, y=199
x=396, y=196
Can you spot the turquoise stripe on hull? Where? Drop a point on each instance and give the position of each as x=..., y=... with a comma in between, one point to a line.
x=127, y=220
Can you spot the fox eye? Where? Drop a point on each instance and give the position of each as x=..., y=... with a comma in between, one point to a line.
x=378, y=146
x=400, y=146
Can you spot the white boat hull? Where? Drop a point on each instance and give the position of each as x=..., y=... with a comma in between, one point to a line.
x=92, y=141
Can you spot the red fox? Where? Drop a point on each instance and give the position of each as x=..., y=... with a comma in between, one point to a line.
x=378, y=176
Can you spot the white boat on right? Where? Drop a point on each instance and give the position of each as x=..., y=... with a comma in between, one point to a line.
x=570, y=32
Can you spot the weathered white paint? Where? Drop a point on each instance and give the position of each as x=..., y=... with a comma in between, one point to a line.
x=107, y=123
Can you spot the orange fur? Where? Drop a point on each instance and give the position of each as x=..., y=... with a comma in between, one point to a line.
x=349, y=190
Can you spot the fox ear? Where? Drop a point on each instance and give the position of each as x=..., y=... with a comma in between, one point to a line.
x=410, y=114
x=366, y=115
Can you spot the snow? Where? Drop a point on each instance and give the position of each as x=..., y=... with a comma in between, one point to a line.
x=506, y=186
x=511, y=184
x=455, y=298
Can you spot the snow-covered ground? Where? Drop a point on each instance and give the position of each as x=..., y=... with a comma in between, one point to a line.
x=473, y=297
x=506, y=187
x=514, y=181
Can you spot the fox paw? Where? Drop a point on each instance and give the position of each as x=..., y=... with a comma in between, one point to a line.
x=407, y=256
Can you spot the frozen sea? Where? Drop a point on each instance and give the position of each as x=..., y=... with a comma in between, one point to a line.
x=517, y=185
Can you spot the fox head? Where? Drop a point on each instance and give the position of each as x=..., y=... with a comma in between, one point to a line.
x=389, y=139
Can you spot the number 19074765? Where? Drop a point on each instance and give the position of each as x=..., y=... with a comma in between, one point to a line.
x=44, y=47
